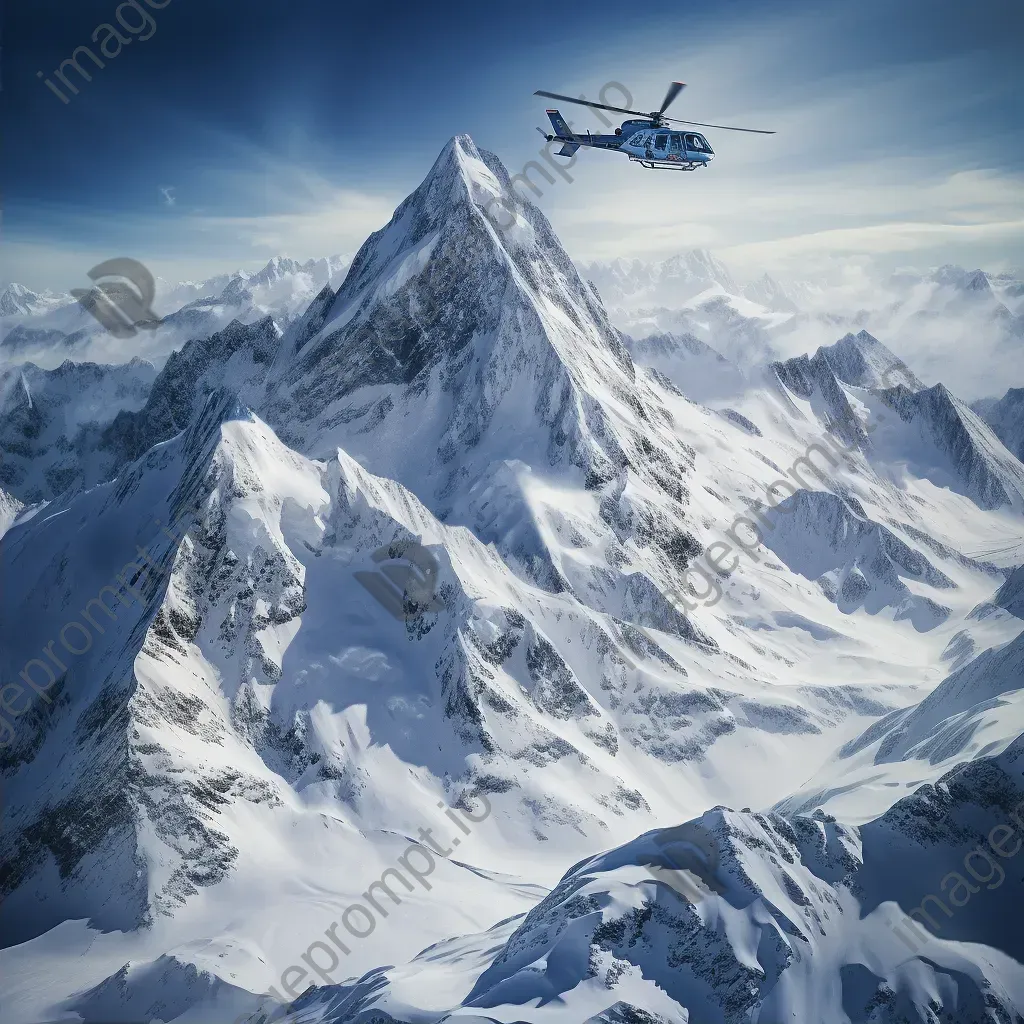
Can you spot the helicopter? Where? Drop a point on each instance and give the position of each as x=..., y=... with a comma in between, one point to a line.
x=644, y=139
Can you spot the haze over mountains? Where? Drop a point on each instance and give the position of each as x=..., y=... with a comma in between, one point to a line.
x=49, y=328
x=947, y=321
x=813, y=716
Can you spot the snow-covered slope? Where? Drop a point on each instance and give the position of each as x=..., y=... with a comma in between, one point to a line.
x=800, y=919
x=240, y=354
x=203, y=709
x=857, y=562
x=739, y=917
x=936, y=435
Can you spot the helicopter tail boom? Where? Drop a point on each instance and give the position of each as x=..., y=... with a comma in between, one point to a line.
x=562, y=130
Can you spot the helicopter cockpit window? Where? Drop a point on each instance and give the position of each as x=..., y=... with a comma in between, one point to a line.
x=694, y=142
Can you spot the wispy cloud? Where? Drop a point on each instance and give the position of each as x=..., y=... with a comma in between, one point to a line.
x=294, y=212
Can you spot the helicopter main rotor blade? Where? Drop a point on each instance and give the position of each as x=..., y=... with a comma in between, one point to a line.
x=588, y=103
x=724, y=127
x=673, y=91
x=640, y=113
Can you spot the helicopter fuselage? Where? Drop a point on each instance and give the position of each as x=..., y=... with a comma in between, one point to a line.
x=641, y=141
x=644, y=137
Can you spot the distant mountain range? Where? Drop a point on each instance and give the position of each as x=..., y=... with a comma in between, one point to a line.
x=50, y=328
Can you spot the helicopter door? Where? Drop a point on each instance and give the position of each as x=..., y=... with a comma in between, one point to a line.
x=676, y=146
x=661, y=145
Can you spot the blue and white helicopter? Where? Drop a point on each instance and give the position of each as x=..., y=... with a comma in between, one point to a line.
x=645, y=140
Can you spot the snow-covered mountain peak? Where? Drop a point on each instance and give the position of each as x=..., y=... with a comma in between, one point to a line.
x=276, y=267
x=443, y=301
x=634, y=284
x=17, y=300
x=952, y=276
x=459, y=182
x=767, y=292
x=486, y=346
x=864, y=362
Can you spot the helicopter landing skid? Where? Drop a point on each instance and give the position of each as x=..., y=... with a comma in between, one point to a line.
x=666, y=165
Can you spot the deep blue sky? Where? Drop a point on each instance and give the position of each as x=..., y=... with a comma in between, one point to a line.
x=240, y=129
